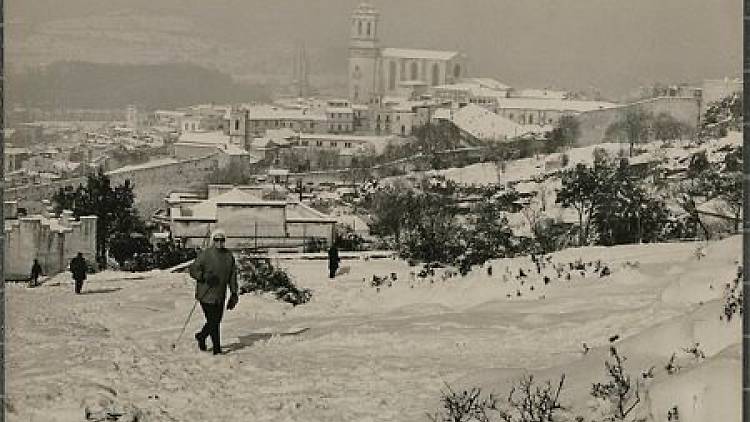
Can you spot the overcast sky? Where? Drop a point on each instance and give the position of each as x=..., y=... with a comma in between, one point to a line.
x=613, y=44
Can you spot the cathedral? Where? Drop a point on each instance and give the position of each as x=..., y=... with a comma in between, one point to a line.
x=375, y=71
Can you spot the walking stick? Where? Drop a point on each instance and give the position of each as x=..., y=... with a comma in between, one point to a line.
x=184, y=326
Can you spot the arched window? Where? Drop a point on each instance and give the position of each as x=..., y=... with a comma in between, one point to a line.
x=435, y=74
x=368, y=28
x=392, y=75
x=414, y=71
x=457, y=70
x=359, y=27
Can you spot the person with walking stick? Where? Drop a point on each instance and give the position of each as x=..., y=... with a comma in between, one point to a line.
x=214, y=270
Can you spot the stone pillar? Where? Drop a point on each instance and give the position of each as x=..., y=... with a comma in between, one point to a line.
x=88, y=236
x=66, y=218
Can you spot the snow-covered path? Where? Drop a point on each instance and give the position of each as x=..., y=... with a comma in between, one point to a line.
x=369, y=355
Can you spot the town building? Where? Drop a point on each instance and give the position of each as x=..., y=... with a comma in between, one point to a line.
x=376, y=71
x=248, y=220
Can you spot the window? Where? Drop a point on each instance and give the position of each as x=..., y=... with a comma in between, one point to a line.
x=347, y=144
x=359, y=27
x=333, y=144
x=304, y=143
x=392, y=75
x=318, y=143
x=414, y=70
x=403, y=70
x=403, y=130
x=387, y=118
x=457, y=70
x=510, y=116
x=531, y=119
x=368, y=28
x=435, y=74
x=356, y=92
x=339, y=129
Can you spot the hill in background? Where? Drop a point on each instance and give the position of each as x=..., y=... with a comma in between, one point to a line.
x=114, y=86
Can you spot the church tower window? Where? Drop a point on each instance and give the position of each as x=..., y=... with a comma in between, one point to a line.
x=392, y=75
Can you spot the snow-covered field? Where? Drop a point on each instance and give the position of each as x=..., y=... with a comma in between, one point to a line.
x=374, y=355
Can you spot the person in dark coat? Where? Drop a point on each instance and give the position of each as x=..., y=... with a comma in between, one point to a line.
x=214, y=270
x=78, y=268
x=333, y=261
x=36, y=271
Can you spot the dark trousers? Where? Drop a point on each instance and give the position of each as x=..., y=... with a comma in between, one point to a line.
x=332, y=271
x=79, y=285
x=213, y=313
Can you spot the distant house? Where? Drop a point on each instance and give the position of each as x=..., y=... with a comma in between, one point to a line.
x=248, y=219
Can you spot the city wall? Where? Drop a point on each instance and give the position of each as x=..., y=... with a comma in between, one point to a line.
x=53, y=240
x=593, y=124
x=151, y=184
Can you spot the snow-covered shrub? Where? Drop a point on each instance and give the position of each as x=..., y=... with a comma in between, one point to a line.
x=733, y=298
x=532, y=403
x=257, y=275
x=619, y=390
x=466, y=406
x=526, y=402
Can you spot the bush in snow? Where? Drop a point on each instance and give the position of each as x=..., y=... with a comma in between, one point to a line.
x=529, y=403
x=733, y=298
x=257, y=275
x=466, y=406
x=619, y=390
x=526, y=402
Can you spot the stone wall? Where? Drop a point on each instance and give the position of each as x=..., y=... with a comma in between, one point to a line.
x=151, y=184
x=593, y=124
x=54, y=241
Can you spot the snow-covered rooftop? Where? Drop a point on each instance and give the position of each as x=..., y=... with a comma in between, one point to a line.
x=405, y=53
x=486, y=125
x=213, y=137
x=552, y=104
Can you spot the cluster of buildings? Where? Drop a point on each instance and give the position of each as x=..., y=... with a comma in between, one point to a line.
x=390, y=93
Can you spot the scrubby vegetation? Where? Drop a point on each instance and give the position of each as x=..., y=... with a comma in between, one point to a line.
x=258, y=275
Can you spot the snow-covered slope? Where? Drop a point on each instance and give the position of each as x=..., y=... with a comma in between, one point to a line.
x=379, y=355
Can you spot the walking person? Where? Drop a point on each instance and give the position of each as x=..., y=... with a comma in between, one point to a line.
x=78, y=268
x=36, y=271
x=333, y=261
x=214, y=270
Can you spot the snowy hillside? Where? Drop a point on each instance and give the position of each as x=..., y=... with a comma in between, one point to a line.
x=380, y=354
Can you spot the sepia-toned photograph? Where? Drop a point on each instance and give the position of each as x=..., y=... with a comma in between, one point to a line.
x=380, y=210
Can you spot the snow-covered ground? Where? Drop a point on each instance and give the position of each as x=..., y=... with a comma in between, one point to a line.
x=529, y=168
x=379, y=355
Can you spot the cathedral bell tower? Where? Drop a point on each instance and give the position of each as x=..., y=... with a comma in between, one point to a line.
x=364, y=54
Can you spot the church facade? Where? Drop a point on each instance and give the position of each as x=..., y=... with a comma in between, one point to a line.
x=376, y=72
